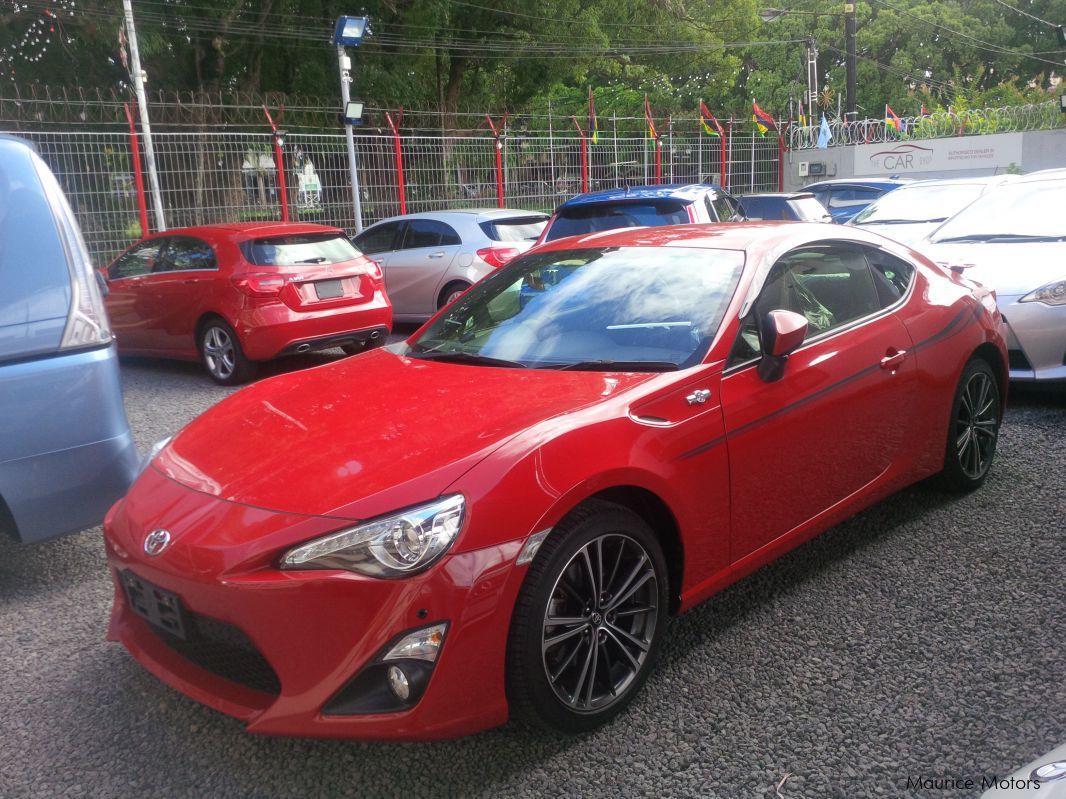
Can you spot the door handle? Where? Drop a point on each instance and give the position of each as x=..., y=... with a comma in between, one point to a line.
x=893, y=358
x=699, y=396
x=436, y=255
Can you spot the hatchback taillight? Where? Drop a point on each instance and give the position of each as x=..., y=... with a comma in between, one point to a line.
x=373, y=268
x=259, y=285
x=497, y=256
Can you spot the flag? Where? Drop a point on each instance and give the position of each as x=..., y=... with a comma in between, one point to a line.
x=825, y=135
x=802, y=116
x=594, y=125
x=891, y=120
x=763, y=121
x=651, y=123
x=709, y=123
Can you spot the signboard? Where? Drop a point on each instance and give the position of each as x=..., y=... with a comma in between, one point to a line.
x=993, y=153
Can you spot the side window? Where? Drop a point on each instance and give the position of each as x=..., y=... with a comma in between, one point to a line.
x=138, y=261
x=853, y=197
x=183, y=254
x=892, y=276
x=428, y=233
x=822, y=196
x=379, y=238
x=724, y=208
x=830, y=286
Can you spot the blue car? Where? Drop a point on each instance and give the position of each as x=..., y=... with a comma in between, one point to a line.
x=638, y=206
x=66, y=453
x=846, y=197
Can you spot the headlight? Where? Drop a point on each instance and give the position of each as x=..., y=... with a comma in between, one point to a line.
x=1051, y=294
x=392, y=546
x=157, y=447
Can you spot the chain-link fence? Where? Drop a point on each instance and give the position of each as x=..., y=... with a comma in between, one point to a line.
x=212, y=177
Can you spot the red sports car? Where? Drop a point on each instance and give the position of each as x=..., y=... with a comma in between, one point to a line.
x=232, y=295
x=497, y=516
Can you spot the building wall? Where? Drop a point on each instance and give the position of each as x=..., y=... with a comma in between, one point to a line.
x=957, y=157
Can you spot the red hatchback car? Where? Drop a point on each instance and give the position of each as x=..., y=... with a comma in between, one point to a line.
x=497, y=516
x=232, y=295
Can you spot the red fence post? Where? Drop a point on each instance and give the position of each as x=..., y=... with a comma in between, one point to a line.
x=138, y=179
x=584, y=156
x=279, y=165
x=658, y=161
x=499, y=162
x=723, y=143
x=780, y=161
x=398, y=150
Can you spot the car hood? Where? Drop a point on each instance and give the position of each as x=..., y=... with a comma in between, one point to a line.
x=368, y=434
x=1010, y=269
x=908, y=234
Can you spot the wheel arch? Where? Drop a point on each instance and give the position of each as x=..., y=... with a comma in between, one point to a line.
x=991, y=354
x=206, y=317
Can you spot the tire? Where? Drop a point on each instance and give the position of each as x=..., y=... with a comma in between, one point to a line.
x=973, y=430
x=450, y=293
x=615, y=643
x=222, y=356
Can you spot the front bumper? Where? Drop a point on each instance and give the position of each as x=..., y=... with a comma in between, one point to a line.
x=315, y=629
x=1036, y=339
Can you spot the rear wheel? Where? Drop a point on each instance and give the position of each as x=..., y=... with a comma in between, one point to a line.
x=451, y=293
x=222, y=356
x=588, y=621
x=974, y=429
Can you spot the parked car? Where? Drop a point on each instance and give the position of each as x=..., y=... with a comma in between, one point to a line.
x=497, y=516
x=910, y=213
x=789, y=206
x=1013, y=239
x=66, y=453
x=641, y=206
x=430, y=259
x=845, y=197
x=235, y=294
x=1043, y=778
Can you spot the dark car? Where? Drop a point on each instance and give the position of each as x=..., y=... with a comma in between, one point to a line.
x=789, y=206
x=641, y=206
x=846, y=197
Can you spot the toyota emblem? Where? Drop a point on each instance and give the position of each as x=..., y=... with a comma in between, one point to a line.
x=156, y=542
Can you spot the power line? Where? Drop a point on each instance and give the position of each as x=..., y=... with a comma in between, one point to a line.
x=1027, y=14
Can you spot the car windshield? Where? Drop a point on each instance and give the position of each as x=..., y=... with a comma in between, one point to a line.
x=632, y=308
x=515, y=228
x=582, y=219
x=303, y=248
x=1013, y=211
x=920, y=204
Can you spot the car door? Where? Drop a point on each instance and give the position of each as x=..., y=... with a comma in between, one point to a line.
x=378, y=242
x=175, y=291
x=415, y=269
x=836, y=421
x=127, y=307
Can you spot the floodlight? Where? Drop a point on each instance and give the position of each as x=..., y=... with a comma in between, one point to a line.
x=349, y=31
x=353, y=112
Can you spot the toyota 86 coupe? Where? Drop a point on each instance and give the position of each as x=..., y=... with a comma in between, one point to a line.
x=497, y=517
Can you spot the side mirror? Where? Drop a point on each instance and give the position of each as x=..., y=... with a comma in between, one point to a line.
x=780, y=332
x=101, y=281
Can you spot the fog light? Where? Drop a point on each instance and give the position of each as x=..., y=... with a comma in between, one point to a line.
x=398, y=683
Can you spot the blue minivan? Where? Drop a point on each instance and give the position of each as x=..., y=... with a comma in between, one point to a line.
x=66, y=453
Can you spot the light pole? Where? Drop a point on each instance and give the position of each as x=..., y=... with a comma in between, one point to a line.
x=770, y=14
x=349, y=33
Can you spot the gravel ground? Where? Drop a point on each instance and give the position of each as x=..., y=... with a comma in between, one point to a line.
x=922, y=639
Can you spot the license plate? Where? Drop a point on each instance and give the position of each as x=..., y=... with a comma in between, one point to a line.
x=329, y=289
x=157, y=606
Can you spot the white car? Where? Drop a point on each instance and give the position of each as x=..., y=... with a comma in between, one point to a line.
x=431, y=258
x=912, y=212
x=1044, y=778
x=1013, y=239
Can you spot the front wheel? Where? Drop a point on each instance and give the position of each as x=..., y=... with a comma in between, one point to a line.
x=588, y=621
x=222, y=356
x=974, y=429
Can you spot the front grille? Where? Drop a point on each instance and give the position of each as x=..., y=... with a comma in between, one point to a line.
x=1017, y=361
x=223, y=650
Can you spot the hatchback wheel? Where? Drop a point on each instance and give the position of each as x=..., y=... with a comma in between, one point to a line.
x=451, y=293
x=222, y=356
x=588, y=621
x=974, y=428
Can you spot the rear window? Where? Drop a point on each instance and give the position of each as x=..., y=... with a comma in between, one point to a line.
x=808, y=209
x=584, y=219
x=304, y=248
x=765, y=207
x=516, y=228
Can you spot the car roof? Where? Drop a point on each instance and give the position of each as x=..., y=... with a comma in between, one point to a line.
x=669, y=191
x=479, y=214
x=1043, y=174
x=984, y=180
x=257, y=229
x=784, y=195
x=876, y=182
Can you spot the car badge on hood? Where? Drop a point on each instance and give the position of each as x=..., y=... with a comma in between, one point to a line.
x=156, y=541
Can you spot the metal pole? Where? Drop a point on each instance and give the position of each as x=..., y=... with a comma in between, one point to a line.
x=614, y=130
x=551, y=148
x=699, y=148
x=345, y=64
x=142, y=107
x=753, y=159
x=849, y=35
x=670, y=129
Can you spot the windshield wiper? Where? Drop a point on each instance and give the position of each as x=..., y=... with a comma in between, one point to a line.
x=617, y=366
x=466, y=357
x=1000, y=237
x=317, y=260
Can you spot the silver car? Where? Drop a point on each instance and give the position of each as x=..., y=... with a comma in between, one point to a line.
x=912, y=212
x=1013, y=239
x=1043, y=778
x=429, y=259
